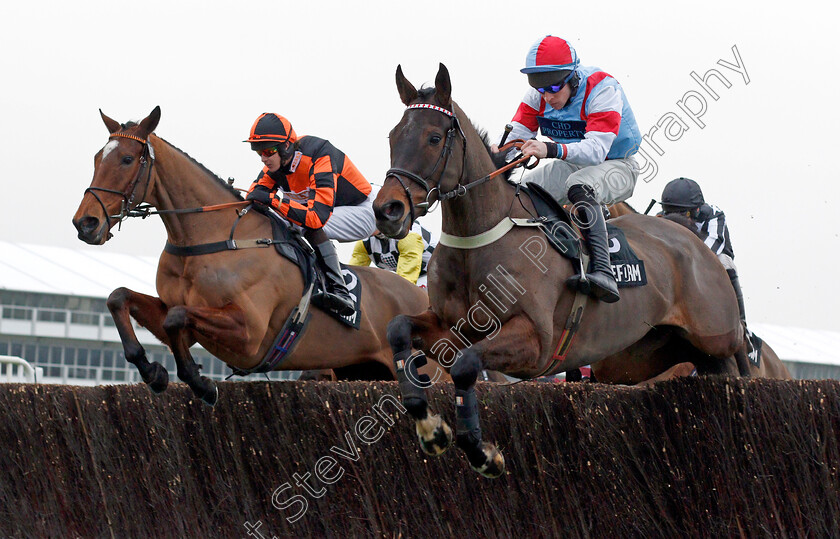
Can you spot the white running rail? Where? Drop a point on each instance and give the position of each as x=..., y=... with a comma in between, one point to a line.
x=17, y=370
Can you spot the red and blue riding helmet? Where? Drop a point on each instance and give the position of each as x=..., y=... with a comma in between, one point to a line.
x=550, y=60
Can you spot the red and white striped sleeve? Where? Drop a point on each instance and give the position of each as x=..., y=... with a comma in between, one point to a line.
x=602, y=113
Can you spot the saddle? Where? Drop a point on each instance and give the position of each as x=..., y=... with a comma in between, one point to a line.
x=289, y=243
x=557, y=222
x=562, y=234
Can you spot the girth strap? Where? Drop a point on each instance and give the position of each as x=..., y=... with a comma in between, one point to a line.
x=286, y=340
x=216, y=247
x=564, y=343
x=486, y=238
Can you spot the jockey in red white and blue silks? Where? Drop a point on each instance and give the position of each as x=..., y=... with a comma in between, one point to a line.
x=604, y=129
x=595, y=126
x=588, y=159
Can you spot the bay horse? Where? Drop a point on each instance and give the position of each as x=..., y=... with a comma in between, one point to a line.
x=232, y=302
x=649, y=364
x=621, y=208
x=498, y=306
x=770, y=366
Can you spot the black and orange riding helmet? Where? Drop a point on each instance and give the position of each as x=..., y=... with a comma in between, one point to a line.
x=269, y=130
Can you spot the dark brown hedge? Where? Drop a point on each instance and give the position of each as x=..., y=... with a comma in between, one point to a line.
x=695, y=457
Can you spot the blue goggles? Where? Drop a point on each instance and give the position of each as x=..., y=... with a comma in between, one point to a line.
x=554, y=88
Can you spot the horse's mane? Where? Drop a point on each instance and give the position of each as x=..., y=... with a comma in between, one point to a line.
x=209, y=172
x=206, y=170
x=498, y=158
x=683, y=220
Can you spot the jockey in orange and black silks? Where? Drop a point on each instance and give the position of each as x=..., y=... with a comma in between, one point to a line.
x=314, y=176
x=313, y=184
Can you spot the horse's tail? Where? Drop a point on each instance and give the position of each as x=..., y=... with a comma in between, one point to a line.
x=683, y=220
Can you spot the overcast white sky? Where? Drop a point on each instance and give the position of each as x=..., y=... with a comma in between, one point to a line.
x=763, y=156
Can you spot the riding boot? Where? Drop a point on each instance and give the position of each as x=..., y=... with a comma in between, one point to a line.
x=600, y=281
x=336, y=297
x=574, y=375
x=733, y=278
x=582, y=374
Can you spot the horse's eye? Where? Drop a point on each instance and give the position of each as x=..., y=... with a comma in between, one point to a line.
x=127, y=160
x=434, y=140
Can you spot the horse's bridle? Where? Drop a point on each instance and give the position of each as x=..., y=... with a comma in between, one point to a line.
x=399, y=173
x=147, y=159
x=460, y=189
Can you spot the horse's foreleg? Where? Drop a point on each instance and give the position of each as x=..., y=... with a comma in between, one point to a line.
x=225, y=326
x=434, y=434
x=483, y=456
x=514, y=343
x=149, y=312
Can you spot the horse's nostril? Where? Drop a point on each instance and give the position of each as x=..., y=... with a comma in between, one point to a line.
x=87, y=225
x=393, y=210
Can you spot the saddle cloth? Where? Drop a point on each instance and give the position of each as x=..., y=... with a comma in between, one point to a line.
x=755, y=354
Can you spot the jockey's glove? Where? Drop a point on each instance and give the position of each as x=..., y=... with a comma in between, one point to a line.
x=260, y=194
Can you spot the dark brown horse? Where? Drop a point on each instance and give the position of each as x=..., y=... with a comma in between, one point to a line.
x=232, y=302
x=503, y=305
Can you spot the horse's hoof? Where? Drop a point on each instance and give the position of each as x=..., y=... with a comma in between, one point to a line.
x=435, y=435
x=494, y=466
x=211, y=397
x=156, y=377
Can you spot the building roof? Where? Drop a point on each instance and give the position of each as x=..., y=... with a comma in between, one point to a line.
x=82, y=271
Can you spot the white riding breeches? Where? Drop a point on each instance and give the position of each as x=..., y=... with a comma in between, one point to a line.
x=613, y=180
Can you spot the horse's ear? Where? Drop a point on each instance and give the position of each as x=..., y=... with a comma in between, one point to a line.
x=150, y=122
x=443, y=87
x=408, y=92
x=112, y=125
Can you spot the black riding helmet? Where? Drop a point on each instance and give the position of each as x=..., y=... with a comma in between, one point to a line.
x=681, y=194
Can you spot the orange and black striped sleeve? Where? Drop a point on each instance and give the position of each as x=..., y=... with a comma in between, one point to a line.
x=323, y=177
x=263, y=179
x=318, y=207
